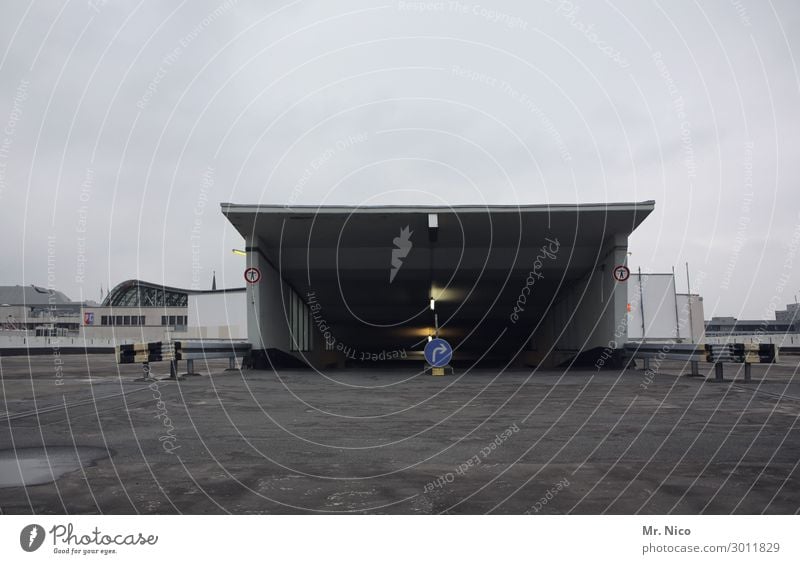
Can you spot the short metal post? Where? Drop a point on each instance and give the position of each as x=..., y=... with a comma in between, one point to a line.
x=232, y=362
x=646, y=364
x=147, y=376
x=747, y=374
x=695, y=366
x=718, y=371
x=173, y=369
x=190, y=368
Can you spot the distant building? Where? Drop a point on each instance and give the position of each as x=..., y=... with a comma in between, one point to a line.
x=135, y=309
x=531, y=284
x=33, y=310
x=144, y=311
x=132, y=310
x=786, y=321
x=791, y=314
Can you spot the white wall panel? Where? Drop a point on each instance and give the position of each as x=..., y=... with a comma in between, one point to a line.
x=652, y=310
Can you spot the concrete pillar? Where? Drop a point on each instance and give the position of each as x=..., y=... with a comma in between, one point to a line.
x=598, y=302
x=267, y=304
x=266, y=315
x=618, y=309
x=253, y=294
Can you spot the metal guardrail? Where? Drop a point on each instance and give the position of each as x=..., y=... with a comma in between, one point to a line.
x=665, y=351
x=26, y=345
x=174, y=351
x=718, y=355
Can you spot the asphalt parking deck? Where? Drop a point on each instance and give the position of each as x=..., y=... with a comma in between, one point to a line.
x=384, y=440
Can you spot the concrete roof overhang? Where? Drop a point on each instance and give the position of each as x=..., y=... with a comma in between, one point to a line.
x=475, y=268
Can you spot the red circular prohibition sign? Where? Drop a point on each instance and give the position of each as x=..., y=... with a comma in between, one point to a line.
x=252, y=275
x=621, y=273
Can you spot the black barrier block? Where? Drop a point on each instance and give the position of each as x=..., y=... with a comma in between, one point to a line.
x=766, y=353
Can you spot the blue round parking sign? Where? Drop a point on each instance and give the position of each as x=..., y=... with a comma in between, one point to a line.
x=438, y=353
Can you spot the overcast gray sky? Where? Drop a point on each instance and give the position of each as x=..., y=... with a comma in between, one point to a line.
x=125, y=124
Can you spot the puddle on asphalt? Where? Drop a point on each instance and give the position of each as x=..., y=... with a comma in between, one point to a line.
x=34, y=466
